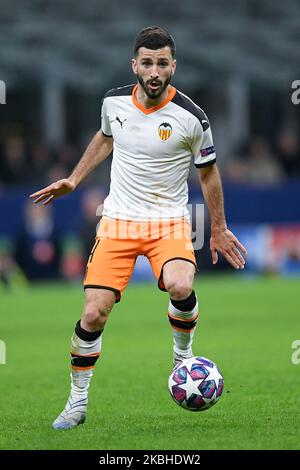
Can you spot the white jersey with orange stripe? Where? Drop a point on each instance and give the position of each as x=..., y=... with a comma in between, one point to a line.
x=152, y=152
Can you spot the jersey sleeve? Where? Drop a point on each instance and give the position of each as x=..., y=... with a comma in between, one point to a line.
x=105, y=125
x=202, y=143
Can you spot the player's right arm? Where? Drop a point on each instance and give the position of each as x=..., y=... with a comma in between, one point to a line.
x=98, y=150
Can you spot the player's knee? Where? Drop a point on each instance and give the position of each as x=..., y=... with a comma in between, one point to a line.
x=179, y=289
x=96, y=314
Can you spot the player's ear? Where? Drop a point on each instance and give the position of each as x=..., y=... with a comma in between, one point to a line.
x=134, y=66
x=174, y=63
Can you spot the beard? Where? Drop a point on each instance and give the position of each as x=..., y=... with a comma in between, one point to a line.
x=151, y=93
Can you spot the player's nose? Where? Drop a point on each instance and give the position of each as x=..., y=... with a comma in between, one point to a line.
x=154, y=72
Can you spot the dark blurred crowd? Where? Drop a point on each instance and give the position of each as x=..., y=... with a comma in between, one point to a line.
x=260, y=162
x=25, y=163
x=257, y=161
x=39, y=252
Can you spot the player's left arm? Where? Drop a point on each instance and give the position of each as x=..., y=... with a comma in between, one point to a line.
x=222, y=240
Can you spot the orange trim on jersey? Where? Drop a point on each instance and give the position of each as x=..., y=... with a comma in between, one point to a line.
x=183, y=319
x=154, y=108
x=82, y=368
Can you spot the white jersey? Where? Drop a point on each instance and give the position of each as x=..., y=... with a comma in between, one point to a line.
x=152, y=151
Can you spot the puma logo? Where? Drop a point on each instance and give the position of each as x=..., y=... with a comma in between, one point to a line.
x=119, y=120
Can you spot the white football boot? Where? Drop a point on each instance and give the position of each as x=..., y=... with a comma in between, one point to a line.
x=73, y=414
x=180, y=356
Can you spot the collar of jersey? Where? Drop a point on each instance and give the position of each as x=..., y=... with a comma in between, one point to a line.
x=154, y=108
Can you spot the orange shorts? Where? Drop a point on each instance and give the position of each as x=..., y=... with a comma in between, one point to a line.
x=119, y=243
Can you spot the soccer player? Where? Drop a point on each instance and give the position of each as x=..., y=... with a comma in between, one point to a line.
x=154, y=130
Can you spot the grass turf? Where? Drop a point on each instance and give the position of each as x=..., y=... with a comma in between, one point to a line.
x=246, y=326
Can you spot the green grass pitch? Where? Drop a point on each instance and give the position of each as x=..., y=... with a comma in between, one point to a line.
x=246, y=326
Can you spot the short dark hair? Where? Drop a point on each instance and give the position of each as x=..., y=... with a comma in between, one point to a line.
x=154, y=37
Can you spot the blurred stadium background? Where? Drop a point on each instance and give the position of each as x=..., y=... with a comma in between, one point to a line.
x=237, y=60
x=58, y=59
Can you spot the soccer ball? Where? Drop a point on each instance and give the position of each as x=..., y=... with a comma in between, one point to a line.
x=196, y=384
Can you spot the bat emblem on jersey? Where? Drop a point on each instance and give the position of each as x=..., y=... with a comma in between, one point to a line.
x=119, y=121
x=165, y=130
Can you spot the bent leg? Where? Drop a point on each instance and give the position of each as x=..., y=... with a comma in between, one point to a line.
x=109, y=268
x=86, y=346
x=86, y=341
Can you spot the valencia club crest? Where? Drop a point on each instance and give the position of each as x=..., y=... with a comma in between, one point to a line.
x=165, y=130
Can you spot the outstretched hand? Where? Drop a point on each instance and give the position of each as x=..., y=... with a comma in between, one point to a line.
x=54, y=190
x=231, y=248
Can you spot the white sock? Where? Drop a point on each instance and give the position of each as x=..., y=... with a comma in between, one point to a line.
x=84, y=356
x=183, y=326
